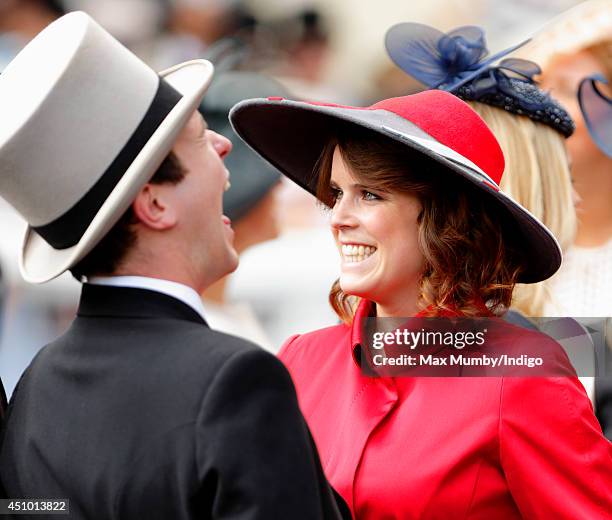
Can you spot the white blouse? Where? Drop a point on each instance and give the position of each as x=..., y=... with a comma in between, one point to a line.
x=583, y=285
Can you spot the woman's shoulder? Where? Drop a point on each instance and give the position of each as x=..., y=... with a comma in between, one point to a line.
x=543, y=380
x=316, y=341
x=518, y=341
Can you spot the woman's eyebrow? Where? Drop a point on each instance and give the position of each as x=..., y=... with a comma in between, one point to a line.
x=358, y=186
x=368, y=188
x=355, y=185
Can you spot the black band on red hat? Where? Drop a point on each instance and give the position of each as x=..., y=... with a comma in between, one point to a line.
x=66, y=230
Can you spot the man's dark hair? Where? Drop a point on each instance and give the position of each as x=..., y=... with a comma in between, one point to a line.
x=104, y=259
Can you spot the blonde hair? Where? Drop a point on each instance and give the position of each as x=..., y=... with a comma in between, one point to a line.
x=536, y=176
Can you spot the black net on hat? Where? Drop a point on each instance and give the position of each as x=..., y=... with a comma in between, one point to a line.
x=458, y=62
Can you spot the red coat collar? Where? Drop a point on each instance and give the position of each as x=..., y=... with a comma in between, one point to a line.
x=364, y=311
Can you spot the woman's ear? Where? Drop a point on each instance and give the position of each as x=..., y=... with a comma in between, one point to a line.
x=153, y=207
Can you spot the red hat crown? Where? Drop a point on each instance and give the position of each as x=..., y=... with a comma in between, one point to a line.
x=464, y=132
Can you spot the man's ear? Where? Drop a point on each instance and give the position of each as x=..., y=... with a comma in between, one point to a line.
x=153, y=207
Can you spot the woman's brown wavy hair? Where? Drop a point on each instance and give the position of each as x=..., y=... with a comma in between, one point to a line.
x=468, y=262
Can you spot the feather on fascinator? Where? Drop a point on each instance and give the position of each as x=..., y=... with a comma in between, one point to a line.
x=458, y=62
x=596, y=110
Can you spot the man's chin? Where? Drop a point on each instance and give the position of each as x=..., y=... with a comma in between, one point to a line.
x=232, y=261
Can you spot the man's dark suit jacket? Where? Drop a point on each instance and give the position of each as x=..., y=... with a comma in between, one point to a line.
x=141, y=411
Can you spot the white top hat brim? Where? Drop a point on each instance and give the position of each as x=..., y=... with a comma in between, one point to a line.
x=39, y=262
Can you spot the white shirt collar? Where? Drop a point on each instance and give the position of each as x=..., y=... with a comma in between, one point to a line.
x=176, y=290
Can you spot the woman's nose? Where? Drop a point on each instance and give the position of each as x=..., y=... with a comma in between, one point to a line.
x=221, y=144
x=343, y=215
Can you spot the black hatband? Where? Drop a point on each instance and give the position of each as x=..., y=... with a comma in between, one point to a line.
x=66, y=230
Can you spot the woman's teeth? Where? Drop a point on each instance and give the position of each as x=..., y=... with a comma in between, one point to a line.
x=356, y=253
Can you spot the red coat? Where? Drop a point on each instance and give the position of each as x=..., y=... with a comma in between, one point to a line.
x=459, y=447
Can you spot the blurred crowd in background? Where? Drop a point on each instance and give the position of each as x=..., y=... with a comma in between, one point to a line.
x=309, y=49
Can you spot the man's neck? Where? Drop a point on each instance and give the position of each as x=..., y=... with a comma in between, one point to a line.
x=216, y=292
x=170, y=272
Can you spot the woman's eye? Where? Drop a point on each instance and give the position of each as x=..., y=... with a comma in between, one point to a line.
x=368, y=195
x=335, y=195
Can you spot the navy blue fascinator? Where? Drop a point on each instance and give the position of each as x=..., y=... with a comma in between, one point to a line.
x=596, y=109
x=459, y=62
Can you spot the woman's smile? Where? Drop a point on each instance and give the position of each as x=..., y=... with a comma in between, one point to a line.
x=356, y=253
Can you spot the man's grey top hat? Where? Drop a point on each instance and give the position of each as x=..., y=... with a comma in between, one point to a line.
x=251, y=177
x=85, y=124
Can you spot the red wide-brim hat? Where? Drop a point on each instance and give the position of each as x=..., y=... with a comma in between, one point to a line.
x=292, y=134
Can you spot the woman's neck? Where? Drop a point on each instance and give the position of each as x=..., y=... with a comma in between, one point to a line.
x=401, y=305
